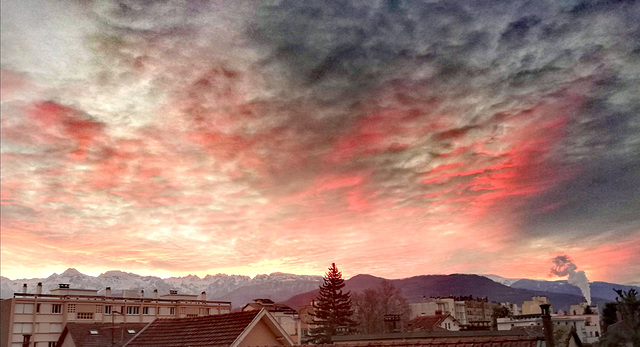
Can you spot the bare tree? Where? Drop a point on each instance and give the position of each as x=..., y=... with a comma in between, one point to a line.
x=373, y=304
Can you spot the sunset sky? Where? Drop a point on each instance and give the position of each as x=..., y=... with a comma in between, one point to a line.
x=394, y=138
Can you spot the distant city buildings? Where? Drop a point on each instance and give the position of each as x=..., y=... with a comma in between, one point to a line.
x=583, y=319
x=69, y=317
x=474, y=313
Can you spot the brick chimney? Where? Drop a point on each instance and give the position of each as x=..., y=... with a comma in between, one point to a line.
x=547, y=325
x=155, y=293
x=24, y=288
x=107, y=292
x=39, y=288
x=203, y=296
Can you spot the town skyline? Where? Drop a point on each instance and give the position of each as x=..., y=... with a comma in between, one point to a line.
x=392, y=138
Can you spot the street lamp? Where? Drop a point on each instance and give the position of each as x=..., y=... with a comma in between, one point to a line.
x=113, y=327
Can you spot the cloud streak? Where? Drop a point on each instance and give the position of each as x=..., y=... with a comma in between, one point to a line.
x=253, y=137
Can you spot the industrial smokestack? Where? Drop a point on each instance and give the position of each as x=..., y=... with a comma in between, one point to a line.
x=547, y=325
x=39, y=288
x=565, y=267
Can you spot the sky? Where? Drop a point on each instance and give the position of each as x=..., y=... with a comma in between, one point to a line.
x=394, y=138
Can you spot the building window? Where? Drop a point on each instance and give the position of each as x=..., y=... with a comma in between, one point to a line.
x=183, y=310
x=133, y=309
x=56, y=308
x=84, y=315
x=213, y=311
x=172, y=310
x=38, y=308
x=98, y=309
x=24, y=308
x=107, y=309
x=55, y=327
x=52, y=344
x=22, y=328
x=148, y=310
x=203, y=311
x=71, y=308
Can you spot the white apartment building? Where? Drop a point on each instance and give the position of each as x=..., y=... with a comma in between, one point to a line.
x=435, y=306
x=587, y=326
x=40, y=318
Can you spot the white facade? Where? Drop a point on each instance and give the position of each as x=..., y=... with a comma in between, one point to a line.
x=587, y=326
x=442, y=305
x=43, y=316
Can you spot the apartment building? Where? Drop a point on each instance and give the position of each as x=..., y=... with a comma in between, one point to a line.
x=40, y=318
x=470, y=312
x=587, y=326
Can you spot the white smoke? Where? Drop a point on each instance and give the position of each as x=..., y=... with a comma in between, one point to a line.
x=565, y=267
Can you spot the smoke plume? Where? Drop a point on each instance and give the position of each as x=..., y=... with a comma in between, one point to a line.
x=565, y=267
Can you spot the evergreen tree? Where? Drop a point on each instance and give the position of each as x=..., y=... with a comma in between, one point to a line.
x=624, y=332
x=332, y=309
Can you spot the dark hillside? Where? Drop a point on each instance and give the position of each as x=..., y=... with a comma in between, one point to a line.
x=416, y=289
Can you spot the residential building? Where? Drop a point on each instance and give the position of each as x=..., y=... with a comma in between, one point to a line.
x=287, y=317
x=305, y=314
x=238, y=329
x=450, y=305
x=468, y=311
x=441, y=322
x=533, y=306
x=587, y=327
x=40, y=318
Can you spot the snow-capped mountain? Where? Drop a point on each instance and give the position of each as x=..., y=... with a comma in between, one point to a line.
x=502, y=280
x=237, y=289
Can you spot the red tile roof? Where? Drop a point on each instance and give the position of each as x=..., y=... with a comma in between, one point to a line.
x=82, y=335
x=487, y=341
x=217, y=330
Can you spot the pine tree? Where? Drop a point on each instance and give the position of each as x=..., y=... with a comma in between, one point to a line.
x=332, y=309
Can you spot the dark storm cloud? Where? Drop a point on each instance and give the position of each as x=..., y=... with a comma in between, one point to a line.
x=342, y=50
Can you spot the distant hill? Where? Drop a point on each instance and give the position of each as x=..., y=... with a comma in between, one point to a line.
x=419, y=288
x=602, y=290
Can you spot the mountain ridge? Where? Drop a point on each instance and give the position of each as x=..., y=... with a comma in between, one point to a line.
x=299, y=290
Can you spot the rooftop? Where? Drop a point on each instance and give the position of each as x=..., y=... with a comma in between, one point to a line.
x=217, y=330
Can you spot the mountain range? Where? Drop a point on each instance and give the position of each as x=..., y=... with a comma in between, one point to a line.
x=298, y=290
x=237, y=289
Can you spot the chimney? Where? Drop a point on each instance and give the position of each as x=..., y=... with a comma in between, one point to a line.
x=155, y=293
x=24, y=288
x=39, y=288
x=26, y=339
x=547, y=325
x=142, y=293
x=203, y=295
x=107, y=292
